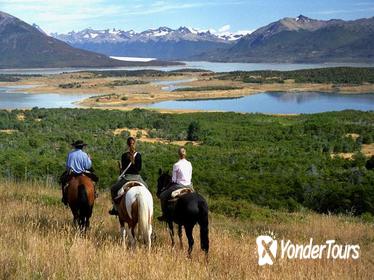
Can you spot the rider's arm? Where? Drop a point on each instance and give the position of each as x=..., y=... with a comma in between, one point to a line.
x=87, y=162
x=138, y=162
x=67, y=164
x=124, y=162
x=175, y=170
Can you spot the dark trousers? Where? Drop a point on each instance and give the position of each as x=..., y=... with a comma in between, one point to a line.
x=166, y=195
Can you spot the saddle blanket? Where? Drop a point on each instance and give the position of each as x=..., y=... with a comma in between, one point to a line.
x=180, y=192
x=126, y=187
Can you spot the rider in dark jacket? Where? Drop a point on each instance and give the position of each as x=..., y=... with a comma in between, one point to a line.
x=131, y=164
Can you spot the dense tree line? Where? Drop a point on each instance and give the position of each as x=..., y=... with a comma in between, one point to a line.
x=276, y=162
x=334, y=75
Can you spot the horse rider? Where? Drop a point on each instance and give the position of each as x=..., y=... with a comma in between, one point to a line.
x=131, y=165
x=78, y=162
x=181, y=178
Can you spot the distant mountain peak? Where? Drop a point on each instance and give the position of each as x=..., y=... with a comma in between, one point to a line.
x=303, y=18
x=27, y=46
x=162, y=33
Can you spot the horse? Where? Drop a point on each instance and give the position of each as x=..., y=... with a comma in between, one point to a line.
x=81, y=198
x=190, y=209
x=136, y=208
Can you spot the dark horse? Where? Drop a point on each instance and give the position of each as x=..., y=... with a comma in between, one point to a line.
x=81, y=197
x=189, y=209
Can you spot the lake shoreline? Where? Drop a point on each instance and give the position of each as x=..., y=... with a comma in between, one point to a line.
x=142, y=89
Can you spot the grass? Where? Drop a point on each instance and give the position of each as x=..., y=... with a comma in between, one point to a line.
x=37, y=241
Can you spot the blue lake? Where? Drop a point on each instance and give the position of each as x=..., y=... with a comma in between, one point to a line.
x=13, y=98
x=212, y=66
x=278, y=103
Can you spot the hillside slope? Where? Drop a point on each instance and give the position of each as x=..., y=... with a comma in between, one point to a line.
x=304, y=40
x=24, y=46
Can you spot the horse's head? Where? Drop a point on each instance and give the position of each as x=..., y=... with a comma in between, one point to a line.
x=163, y=181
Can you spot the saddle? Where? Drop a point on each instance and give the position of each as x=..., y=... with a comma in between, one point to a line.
x=175, y=195
x=125, y=188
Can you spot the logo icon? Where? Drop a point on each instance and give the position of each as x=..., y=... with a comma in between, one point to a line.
x=267, y=249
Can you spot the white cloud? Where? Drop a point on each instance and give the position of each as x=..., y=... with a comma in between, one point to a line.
x=63, y=16
x=224, y=28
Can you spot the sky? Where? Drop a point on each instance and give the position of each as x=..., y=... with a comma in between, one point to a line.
x=218, y=15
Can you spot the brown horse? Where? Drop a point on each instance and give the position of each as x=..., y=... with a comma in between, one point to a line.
x=81, y=197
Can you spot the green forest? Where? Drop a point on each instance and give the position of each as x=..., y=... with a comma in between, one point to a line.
x=333, y=75
x=242, y=160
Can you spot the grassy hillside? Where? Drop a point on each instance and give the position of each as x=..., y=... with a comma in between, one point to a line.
x=37, y=241
x=284, y=163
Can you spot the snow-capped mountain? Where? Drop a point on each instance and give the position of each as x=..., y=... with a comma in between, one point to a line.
x=162, y=42
x=303, y=40
x=161, y=33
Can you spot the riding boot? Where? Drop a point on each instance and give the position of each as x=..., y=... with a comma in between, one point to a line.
x=114, y=210
x=164, y=205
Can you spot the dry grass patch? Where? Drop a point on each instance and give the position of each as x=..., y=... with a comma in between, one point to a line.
x=8, y=131
x=21, y=117
x=37, y=241
x=354, y=136
x=143, y=136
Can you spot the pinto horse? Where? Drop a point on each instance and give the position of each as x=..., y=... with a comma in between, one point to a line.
x=81, y=197
x=190, y=209
x=136, y=208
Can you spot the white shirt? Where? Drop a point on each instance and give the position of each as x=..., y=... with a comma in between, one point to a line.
x=182, y=172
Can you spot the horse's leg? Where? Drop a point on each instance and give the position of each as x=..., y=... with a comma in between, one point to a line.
x=88, y=217
x=171, y=232
x=131, y=236
x=180, y=236
x=75, y=217
x=189, y=228
x=123, y=234
x=149, y=237
x=87, y=225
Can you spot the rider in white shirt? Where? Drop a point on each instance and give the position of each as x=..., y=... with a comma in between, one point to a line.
x=181, y=178
x=182, y=170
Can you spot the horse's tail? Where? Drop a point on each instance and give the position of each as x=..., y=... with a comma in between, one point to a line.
x=204, y=225
x=85, y=210
x=143, y=216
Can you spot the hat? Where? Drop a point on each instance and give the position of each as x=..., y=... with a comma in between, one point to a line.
x=78, y=144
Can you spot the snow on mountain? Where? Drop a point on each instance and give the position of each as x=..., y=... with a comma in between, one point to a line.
x=90, y=35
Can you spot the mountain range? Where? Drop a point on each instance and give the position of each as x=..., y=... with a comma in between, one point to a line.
x=303, y=40
x=289, y=40
x=293, y=40
x=26, y=46
x=161, y=43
